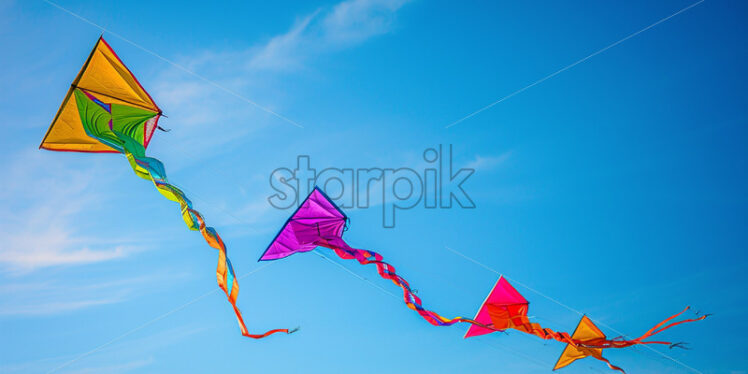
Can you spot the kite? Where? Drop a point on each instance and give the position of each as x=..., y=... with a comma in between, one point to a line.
x=505, y=308
x=319, y=222
x=589, y=341
x=106, y=110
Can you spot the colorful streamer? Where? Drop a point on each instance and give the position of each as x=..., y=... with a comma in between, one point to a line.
x=107, y=110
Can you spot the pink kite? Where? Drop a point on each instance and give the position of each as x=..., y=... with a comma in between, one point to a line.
x=502, y=294
x=505, y=308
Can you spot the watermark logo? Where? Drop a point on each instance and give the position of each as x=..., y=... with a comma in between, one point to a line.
x=437, y=185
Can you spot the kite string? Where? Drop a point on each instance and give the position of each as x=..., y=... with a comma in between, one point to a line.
x=501, y=347
x=176, y=65
x=322, y=255
x=326, y=258
x=566, y=306
x=567, y=67
x=658, y=328
x=152, y=169
x=387, y=271
x=516, y=352
x=342, y=267
x=284, y=118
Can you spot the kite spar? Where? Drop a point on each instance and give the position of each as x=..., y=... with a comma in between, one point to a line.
x=106, y=110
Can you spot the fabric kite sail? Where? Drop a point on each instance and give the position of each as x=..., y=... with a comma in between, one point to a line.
x=318, y=222
x=106, y=110
x=585, y=331
x=505, y=308
x=589, y=341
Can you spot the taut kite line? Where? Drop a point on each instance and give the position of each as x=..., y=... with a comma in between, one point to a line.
x=106, y=110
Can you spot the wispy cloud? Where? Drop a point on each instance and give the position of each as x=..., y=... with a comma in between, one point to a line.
x=253, y=71
x=345, y=24
x=484, y=163
x=356, y=20
x=52, y=247
x=42, y=201
x=57, y=295
x=282, y=51
x=49, y=308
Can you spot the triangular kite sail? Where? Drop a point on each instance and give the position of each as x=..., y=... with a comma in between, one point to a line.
x=586, y=331
x=505, y=308
x=107, y=110
x=589, y=341
x=502, y=294
x=105, y=78
x=317, y=217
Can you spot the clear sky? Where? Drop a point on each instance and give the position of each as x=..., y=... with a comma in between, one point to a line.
x=617, y=186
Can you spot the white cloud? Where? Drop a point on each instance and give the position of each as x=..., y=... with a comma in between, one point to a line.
x=41, y=203
x=48, y=308
x=42, y=200
x=356, y=20
x=50, y=248
x=56, y=295
x=484, y=163
x=282, y=51
x=345, y=24
x=209, y=118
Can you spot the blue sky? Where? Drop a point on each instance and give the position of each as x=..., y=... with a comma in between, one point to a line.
x=617, y=187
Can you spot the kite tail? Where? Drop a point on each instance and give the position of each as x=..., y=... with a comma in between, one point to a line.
x=153, y=170
x=658, y=328
x=548, y=334
x=226, y=276
x=522, y=323
x=607, y=362
x=544, y=333
x=387, y=271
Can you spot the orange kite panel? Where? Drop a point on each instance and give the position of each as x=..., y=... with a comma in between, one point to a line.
x=586, y=330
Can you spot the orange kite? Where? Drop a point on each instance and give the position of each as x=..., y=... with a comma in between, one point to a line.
x=505, y=308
